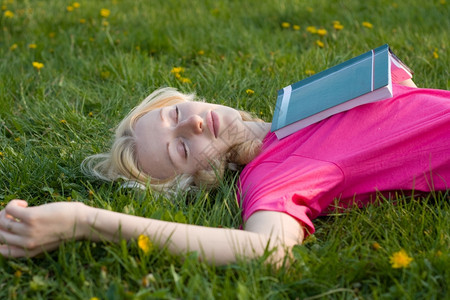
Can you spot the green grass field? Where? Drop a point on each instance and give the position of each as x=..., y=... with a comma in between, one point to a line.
x=91, y=66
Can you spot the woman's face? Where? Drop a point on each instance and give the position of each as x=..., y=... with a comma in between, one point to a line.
x=184, y=138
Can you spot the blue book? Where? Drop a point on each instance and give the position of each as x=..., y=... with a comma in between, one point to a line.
x=360, y=80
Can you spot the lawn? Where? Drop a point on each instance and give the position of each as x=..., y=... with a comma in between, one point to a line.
x=70, y=71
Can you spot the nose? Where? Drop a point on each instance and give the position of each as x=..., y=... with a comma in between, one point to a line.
x=193, y=124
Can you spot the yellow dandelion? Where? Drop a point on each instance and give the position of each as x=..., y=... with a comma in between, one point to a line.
x=249, y=92
x=32, y=46
x=94, y=298
x=76, y=5
x=367, y=25
x=296, y=27
x=69, y=8
x=18, y=273
x=321, y=32
x=442, y=2
x=8, y=14
x=2, y=155
x=17, y=139
x=376, y=246
x=400, y=259
x=144, y=243
x=338, y=26
x=13, y=47
x=177, y=70
x=320, y=43
x=285, y=25
x=201, y=52
x=38, y=65
x=435, y=53
x=104, y=12
x=185, y=80
x=311, y=29
x=105, y=23
x=63, y=121
x=91, y=114
x=82, y=21
x=310, y=72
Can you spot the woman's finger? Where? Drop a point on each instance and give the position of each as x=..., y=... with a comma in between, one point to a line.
x=12, y=225
x=9, y=238
x=17, y=209
x=15, y=251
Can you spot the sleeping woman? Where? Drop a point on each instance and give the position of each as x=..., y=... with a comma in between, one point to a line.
x=171, y=142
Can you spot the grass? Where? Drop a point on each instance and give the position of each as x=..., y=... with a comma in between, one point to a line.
x=95, y=69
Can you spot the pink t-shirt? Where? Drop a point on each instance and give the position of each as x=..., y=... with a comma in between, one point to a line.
x=401, y=143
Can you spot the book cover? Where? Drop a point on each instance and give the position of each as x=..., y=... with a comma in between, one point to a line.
x=360, y=80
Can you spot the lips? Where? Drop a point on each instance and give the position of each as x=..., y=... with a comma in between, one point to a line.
x=212, y=120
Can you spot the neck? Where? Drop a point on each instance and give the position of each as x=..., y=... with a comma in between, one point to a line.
x=257, y=130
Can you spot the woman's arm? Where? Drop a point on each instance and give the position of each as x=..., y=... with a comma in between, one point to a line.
x=42, y=228
x=408, y=82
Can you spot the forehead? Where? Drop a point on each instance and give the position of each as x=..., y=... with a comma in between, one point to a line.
x=151, y=146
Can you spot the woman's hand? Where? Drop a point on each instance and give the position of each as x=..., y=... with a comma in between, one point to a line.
x=28, y=231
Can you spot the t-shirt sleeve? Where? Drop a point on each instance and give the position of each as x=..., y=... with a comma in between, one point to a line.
x=398, y=74
x=299, y=186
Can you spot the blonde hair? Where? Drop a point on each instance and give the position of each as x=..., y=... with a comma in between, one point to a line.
x=121, y=161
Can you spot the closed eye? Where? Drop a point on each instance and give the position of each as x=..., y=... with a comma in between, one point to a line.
x=182, y=149
x=177, y=111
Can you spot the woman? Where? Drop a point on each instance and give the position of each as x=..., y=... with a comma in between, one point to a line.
x=169, y=142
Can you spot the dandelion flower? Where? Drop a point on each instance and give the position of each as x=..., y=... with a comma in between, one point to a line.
x=376, y=246
x=18, y=273
x=285, y=25
x=32, y=46
x=400, y=259
x=311, y=29
x=320, y=43
x=38, y=65
x=63, y=121
x=177, y=70
x=296, y=27
x=435, y=53
x=367, y=25
x=1, y=154
x=76, y=5
x=70, y=8
x=310, y=72
x=144, y=243
x=321, y=32
x=337, y=25
x=249, y=92
x=82, y=21
x=104, y=12
x=185, y=80
x=105, y=23
x=8, y=14
x=201, y=52
x=13, y=47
